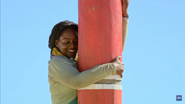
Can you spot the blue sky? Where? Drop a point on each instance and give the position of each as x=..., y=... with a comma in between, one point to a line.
x=154, y=53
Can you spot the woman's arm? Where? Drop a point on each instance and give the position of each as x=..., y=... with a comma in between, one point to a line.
x=124, y=31
x=125, y=4
x=66, y=74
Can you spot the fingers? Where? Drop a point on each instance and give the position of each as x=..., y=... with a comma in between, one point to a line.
x=118, y=58
x=122, y=64
x=126, y=1
x=121, y=69
x=125, y=4
x=114, y=60
x=121, y=76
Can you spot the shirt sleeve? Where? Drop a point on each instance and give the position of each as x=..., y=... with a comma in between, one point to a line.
x=63, y=72
x=124, y=31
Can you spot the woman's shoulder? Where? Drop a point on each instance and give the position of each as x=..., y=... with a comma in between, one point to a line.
x=58, y=58
x=64, y=61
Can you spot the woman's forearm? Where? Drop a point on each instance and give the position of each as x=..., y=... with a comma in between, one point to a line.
x=66, y=74
x=124, y=31
x=93, y=75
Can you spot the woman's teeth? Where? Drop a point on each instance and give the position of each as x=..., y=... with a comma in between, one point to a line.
x=71, y=50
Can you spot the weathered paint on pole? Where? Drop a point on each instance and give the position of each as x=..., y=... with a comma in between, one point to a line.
x=100, y=41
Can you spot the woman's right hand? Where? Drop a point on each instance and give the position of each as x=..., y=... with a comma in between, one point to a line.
x=119, y=66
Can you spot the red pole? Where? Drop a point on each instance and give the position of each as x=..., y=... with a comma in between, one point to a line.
x=100, y=41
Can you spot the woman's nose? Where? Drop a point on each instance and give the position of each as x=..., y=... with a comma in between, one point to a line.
x=72, y=45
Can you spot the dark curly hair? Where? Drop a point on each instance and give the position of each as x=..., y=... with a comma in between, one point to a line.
x=58, y=29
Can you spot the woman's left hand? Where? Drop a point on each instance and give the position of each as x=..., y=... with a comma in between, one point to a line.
x=125, y=4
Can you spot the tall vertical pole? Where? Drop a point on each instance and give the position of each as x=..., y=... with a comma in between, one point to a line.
x=100, y=41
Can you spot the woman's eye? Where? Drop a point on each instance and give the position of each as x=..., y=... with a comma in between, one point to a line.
x=75, y=42
x=66, y=42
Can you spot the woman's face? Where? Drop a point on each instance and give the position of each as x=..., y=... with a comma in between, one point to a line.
x=68, y=43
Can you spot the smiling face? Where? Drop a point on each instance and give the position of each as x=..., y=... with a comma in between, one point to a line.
x=68, y=43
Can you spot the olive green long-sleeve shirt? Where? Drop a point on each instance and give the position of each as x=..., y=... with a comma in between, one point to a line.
x=65, y=79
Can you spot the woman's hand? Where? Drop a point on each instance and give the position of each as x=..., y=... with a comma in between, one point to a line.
x=119, y=66
x=125, y=4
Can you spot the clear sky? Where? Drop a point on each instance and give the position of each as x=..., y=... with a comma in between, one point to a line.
x=154, y=54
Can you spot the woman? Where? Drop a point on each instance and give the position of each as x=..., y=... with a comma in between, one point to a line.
x=64, y=78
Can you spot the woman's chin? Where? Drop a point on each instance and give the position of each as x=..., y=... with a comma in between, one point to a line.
x=71, y=55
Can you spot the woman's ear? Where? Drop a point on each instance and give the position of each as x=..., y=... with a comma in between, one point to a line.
x=56, y=43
